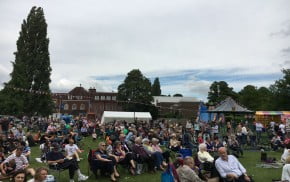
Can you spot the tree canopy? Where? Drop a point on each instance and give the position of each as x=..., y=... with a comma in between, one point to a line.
x=219, y=91
x=31, y=70
x=156, y=90
x=281, y=91
x=135, y=93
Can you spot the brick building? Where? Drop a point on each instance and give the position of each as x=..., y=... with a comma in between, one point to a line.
x=186, y=107
x=82, y=102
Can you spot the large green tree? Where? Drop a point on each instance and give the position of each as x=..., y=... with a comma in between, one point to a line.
x=156, y=90
x=249, y=97
x=265, y=99
x=218, y=91
x=135, y=93
x=281, y=92
x=28, y=90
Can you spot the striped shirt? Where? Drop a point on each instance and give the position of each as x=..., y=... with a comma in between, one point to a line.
x=20, y=161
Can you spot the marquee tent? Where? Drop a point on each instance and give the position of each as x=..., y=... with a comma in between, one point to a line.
x=110, y=116
x=266, y=116
x=229, y=105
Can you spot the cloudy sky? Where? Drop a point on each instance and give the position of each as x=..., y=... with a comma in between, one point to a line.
x=188, y=44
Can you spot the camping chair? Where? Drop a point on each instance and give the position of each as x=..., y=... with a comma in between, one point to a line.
x=92, y=163
x=54, y=168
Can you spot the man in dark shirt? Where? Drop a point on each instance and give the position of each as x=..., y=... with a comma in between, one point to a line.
x=56, y=159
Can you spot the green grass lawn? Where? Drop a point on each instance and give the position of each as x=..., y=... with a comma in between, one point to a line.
x=249, y=161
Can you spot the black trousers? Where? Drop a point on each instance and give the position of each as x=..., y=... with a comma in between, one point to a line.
x=71, y=165
x=105, y=167
x=146, y=159
x=126, y=160
x=240, y=179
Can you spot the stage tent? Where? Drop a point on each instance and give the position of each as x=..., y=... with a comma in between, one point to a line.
x=110, y=116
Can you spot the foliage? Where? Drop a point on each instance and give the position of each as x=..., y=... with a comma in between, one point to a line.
x=156, y=90
x=219, y=91
x=281, y=91
x=177, y=95
x=248, y=97
x=31, y=70
x=135, y=93
x=256, y=99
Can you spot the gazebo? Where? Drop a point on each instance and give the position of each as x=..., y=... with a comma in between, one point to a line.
x=230, y=106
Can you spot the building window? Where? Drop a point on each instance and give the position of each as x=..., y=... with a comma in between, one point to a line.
x=103, y=97
x=83, y=107
x=74, y=107
x=108, y=98
x=97, y=98
x=114, y=98
x=70, y=97
x=66, y=107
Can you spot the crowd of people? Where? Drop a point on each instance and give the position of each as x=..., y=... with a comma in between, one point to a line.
x=139, y=147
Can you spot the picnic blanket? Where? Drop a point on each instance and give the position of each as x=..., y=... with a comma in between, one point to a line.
x=270, y=165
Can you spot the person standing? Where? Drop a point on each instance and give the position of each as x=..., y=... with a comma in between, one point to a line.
x=259, y=129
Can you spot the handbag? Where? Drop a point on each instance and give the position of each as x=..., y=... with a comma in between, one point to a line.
x=167, y=176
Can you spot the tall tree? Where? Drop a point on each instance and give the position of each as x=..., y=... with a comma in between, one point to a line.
x=265, y=99
x=219, y=91
x=249, y=97
x=281, y=92
x=135, y=93
x=156, y=90
x=30, y=78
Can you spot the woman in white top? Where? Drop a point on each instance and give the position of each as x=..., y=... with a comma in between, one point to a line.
x=72, y=150
x=286, y=153
x=203, y=155
x=286, y=170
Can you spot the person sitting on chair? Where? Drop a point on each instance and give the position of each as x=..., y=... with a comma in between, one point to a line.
x=174, y=144
x=72, y=150
x=286, y=170
x=20, y=160
x=56, y=160
x=205, y=158
x=186, y=171
x=230, y=168
x=106, y=162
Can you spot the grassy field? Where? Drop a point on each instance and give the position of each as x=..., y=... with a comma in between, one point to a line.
x=250, y=159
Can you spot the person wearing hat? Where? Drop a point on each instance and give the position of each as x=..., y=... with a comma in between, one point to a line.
x=174, y=144
x=57, y=160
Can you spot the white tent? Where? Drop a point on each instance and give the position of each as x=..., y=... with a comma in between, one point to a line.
x=110, y=116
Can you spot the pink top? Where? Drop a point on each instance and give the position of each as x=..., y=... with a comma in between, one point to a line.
x=156, y=148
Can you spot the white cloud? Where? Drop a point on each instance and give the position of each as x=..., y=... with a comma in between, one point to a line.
x=106, y=38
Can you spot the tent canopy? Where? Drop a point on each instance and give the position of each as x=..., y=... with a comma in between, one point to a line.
x=229, y=105
x=110, y=116
x=272, y=112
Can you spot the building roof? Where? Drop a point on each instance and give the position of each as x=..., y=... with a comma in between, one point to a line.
x=168, y=99
x=78, y=91
x=230, y=105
